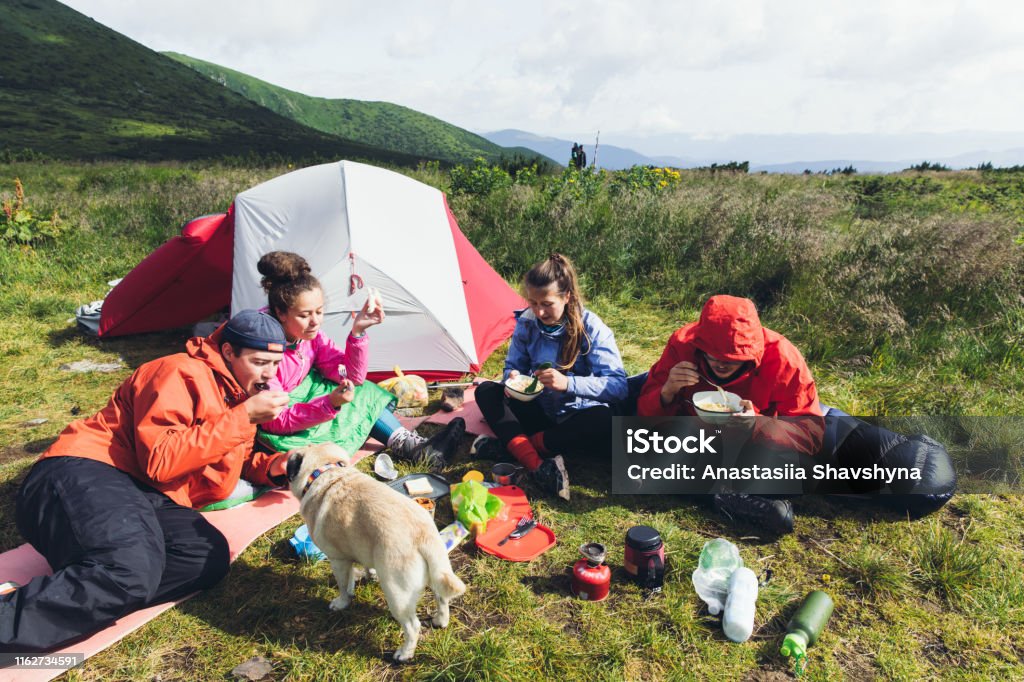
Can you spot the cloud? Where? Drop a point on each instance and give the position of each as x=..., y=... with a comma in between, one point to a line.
x=747, y=66
x=414, y=43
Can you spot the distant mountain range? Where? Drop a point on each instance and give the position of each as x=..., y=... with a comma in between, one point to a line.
x=760, y=149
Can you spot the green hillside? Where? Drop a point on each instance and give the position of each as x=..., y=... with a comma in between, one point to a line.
x=71, y=87
x=380, y=124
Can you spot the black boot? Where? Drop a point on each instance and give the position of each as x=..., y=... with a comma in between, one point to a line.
x=435, y=451
x=552, y=477
x=770, y=514
x=489, y=447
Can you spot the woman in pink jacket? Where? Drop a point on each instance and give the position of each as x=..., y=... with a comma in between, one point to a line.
x=330, y=399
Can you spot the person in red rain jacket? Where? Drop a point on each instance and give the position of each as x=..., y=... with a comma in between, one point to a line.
x=729, y=345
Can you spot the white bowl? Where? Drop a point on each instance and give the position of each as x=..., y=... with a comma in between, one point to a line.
x=384, y=467
x=714, y=416
x=522, y=395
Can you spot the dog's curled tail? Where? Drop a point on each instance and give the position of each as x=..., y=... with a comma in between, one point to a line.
x=443, y=580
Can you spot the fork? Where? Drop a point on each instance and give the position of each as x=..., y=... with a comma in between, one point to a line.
x=523, y=522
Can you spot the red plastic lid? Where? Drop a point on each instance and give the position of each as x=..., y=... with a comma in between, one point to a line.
x=528, y=547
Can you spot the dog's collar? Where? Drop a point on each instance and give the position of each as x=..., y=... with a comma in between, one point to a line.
x=316, y=474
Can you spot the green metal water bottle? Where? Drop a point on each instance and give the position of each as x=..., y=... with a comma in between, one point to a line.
x=806, y=625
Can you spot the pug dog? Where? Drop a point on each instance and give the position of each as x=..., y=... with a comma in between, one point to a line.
x=354, y=519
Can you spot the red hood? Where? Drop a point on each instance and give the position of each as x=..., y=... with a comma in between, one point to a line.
x=729, y=329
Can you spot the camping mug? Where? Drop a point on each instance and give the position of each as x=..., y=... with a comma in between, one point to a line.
x=645, y=557
x=503, y=473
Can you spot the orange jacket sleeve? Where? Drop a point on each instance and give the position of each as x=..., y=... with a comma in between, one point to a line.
x=256, y=468
x=170, y=441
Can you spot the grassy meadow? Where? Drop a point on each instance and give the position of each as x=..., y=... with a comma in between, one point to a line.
x=903, y=292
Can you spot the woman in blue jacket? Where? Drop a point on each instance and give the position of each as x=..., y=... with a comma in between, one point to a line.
x=583, y=374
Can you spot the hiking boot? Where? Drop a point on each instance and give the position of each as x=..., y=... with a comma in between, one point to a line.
x=773, y=515
x=489, y=447
x=434, y=452
x=552, y=477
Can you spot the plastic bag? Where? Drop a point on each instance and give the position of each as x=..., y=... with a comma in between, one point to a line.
x=304, y=545
x=410, y=389
x=474, y=505
x=719, y=558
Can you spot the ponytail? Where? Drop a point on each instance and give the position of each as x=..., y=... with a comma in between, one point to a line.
x=558, y=271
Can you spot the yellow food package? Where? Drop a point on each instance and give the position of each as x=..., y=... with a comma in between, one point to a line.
x=410, y=389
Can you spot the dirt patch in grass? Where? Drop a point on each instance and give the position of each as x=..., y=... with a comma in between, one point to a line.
x=180, y=664
x=935, y=651
x=477, y=619
x=9, y=536
x=767, y=676
x=27, y=451
x=857, y=665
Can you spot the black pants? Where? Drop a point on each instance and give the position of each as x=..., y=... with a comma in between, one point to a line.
x=587, y=432
x=114, y=544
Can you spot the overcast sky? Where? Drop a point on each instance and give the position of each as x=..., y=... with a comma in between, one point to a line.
x=562, y=68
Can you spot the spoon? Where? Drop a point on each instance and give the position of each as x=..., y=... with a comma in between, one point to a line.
x=721, y=391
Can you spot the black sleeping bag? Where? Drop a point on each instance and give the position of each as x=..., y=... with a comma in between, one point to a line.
x=854, y=443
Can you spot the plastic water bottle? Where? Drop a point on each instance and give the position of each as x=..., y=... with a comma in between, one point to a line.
x=738, y=621
x=718, y=560
x=806, y=625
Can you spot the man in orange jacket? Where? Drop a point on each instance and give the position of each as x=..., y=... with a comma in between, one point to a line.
x=729, y=346
x=112, y=503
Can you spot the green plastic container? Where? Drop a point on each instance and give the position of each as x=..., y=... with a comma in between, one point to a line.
x=806, y=625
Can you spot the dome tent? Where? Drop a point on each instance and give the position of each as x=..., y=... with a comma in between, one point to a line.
x=359, y=226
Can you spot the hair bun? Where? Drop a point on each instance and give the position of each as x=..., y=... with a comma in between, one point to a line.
x=281, y=266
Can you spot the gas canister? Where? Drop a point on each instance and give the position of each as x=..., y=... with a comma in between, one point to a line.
x=591, y=578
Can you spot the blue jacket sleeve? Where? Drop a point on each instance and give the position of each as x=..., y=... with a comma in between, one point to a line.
x=607, y=381
x=518, y=357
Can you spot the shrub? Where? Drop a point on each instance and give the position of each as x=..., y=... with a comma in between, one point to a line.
x=951, y=566
x=644, y=178
x=21, y=225
x=926, y=166
x=480, y=179
x=730, y=167
x=876, y=571
x=575, y=185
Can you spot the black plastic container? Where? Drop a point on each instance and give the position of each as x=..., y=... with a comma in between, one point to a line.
x=645, y=557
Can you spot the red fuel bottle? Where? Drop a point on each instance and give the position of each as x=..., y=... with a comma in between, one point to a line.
x=591, y=579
